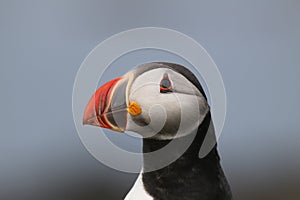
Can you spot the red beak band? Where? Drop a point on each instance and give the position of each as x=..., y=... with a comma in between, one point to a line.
x=107, y=107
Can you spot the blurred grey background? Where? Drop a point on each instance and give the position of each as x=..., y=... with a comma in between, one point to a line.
x=255, y=44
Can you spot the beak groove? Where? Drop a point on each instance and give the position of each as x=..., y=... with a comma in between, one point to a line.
x=97, y=106
x=107, y=107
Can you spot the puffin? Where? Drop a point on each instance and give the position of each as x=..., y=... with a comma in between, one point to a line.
x=152, y=100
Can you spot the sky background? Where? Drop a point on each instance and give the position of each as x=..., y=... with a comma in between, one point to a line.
x=255, y=45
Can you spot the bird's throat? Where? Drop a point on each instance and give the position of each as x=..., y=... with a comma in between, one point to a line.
x=186, y=172
x=188, y=155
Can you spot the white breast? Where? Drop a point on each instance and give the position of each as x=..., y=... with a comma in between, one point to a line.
x=138, y=191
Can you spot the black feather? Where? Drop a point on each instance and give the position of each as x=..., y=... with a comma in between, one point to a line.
x=189, y=177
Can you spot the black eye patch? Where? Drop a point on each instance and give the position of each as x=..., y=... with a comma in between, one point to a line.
x=165, y=84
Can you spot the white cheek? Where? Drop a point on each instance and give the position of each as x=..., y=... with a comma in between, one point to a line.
x=157, y=116
x=193, y=110
x=150, y=101
x=184, y=109
x=187, y=111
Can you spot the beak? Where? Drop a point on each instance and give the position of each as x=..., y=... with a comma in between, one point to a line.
x=107, y=108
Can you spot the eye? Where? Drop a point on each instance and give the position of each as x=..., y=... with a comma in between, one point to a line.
x=165, y=84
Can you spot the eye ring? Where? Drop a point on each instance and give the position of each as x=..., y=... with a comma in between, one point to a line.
x=165, y=84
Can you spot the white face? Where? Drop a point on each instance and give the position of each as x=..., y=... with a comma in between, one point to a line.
x=165, y=115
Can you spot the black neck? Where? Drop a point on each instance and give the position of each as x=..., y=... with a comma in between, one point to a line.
x=189, y=176
x=190, y=155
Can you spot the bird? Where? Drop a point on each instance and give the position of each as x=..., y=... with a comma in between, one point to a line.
x=125, y=103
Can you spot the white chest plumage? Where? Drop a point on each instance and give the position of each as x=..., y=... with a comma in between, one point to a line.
x=138, y=191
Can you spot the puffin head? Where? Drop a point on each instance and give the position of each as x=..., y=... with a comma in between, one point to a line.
x=156, y=100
